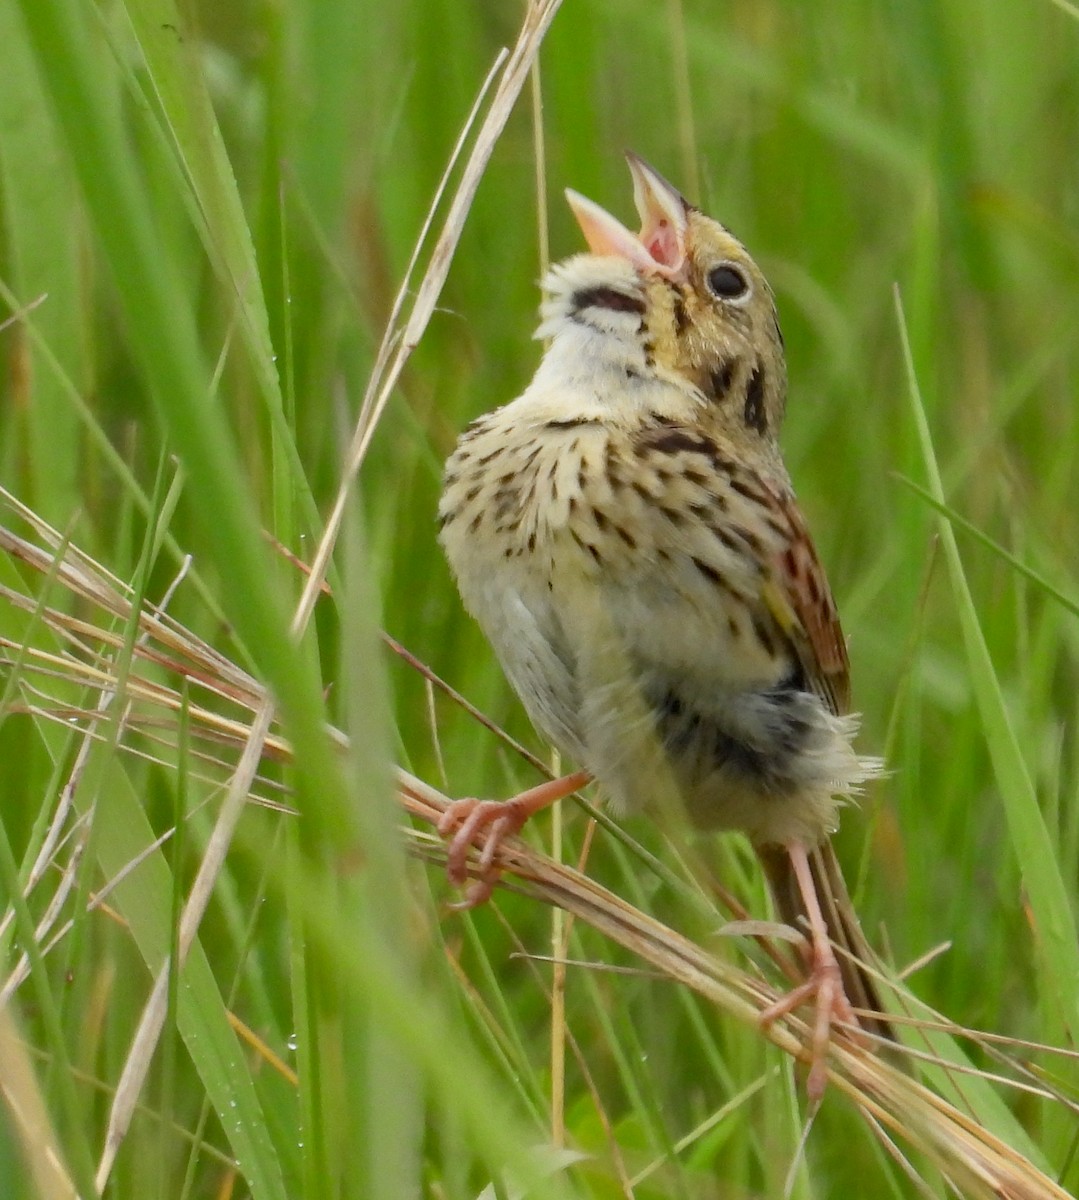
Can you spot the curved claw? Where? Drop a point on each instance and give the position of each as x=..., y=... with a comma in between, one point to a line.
x=825, y=987
x=466, y=819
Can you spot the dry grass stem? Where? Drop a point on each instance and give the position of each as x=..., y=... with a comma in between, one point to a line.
x=120, y=671
x=384, y=379
x=164, y=654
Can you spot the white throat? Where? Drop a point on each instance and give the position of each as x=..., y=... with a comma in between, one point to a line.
x=592, y=344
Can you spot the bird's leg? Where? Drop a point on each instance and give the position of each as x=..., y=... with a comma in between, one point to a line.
x=825, y=982
x=464, y=819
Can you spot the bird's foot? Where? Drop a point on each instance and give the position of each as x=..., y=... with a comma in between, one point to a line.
x=464, y=820
x=494, y=821
x=825, y=988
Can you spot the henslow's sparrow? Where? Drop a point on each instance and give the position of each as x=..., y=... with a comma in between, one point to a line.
x=626, y=534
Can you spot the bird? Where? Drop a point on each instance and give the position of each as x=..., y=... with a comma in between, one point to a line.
x=627, y=536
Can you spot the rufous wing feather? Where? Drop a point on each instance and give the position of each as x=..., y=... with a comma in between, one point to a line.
x=800, y=601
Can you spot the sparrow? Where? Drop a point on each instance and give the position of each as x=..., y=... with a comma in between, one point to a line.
x=626, y=534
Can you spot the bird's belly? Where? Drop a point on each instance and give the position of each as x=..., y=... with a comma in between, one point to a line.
x=637, y=649
x=718, y=734
x=705, y=636
x=515, y=609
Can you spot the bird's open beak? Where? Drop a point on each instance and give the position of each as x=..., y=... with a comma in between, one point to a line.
x=660, y=247
x=664, y=213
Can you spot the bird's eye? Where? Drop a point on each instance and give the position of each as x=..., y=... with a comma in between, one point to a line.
x=727, y=282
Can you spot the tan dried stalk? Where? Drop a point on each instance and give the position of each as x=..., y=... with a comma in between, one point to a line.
x=173, y=671
x=896, y=1106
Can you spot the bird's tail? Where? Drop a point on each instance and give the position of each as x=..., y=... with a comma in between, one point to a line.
x=844, y=930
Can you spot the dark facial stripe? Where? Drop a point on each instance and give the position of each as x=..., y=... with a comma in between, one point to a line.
x=681, y=317
x=720, y=381
x=755, y=416
x=607, y=297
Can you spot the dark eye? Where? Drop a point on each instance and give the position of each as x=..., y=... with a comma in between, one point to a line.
x=727, y=282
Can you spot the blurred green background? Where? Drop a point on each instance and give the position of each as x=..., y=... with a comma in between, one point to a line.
x=217, y=203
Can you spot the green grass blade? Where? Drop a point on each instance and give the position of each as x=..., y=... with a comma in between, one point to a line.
x=75, y=1140
x=1017, y=564
x=1054, y=923
x=202, y=1019
x=172, y=58
x=165, y=343
x=44, y=255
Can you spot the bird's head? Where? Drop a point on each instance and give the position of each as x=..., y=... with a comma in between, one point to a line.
x=687, y=289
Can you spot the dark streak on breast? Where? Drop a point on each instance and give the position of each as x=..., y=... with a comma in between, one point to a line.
x=726, y=537
x=739, y=485
x=709, y=572
x=612, y=469
x=570, y=423
x=674, y=440
x=668, y=439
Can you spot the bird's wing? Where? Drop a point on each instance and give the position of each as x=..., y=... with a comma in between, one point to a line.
x=684, y=536
x=800, y=601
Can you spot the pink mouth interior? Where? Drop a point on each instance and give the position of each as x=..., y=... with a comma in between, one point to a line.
x=662, y=243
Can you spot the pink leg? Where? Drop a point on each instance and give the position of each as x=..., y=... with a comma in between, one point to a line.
x=825, y=983
x=502, y=819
